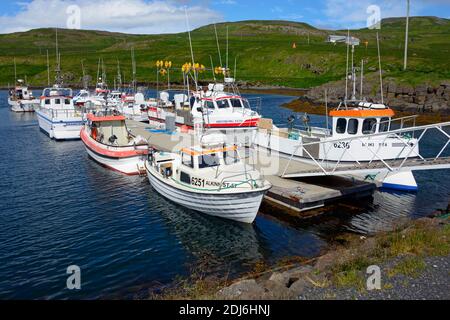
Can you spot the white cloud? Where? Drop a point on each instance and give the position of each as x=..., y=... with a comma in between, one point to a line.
x=128, y=16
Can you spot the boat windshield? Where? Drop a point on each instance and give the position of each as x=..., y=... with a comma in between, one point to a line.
x=208, y=161
x=222, y=104
x=236, y=103
x=231, y=157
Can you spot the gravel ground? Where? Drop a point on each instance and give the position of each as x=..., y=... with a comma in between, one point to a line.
x=433, y=283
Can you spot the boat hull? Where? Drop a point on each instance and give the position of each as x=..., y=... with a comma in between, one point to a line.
x=60, y=129
x=241, y=207
x=107, y=157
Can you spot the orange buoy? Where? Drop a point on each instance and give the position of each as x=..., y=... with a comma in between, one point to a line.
x=94, y=133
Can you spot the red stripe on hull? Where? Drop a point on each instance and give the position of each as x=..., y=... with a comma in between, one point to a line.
x=108, y=153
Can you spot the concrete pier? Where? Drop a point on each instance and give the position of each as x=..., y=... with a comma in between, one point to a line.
x=297, y=196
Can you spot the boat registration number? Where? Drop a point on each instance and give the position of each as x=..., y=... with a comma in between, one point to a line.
x=199, y=182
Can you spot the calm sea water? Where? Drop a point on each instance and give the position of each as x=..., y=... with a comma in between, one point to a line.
x=59, y=208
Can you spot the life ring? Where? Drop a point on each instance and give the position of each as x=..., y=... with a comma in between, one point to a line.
x=94, y=133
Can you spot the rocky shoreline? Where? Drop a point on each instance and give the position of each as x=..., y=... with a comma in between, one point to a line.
x=420, y=99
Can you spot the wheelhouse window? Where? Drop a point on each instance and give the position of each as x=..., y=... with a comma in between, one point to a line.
x=353, y=126
x=222, y=104
x=384, y=124
x=246, y=104
x=47, y=101
x=67, y=101
x=57, y=101
x=236, y=103
x=341, y=125
x=370, y=126
x=188, y=160
x=208, y=161
x=209, y=105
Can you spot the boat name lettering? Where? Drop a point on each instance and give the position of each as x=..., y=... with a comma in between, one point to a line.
x=199, y=182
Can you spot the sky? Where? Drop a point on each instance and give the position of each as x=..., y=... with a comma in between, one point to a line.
x=169, y=16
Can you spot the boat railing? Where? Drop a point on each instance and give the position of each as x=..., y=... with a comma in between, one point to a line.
x=409, y=155
x=255, y=104
x=62, y=113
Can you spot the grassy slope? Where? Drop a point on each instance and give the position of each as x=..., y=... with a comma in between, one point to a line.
x=263, y=49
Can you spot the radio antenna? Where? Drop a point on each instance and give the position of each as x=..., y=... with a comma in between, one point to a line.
x=190, y=45
x=218, y=45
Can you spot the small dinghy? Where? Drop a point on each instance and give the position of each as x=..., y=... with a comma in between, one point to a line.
x=209, y=178
x=108, y=141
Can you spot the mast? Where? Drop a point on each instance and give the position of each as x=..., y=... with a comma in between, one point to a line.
x=119, y=76
x=133, y=66
x=58, y=62
x=405, y=63
x=218, y=45
x=192, y=50
x=379, y=65
x=362, y=77
x=346, y=69
x=48, y=70
x=15, y=71
x=98, y=71
x=353, y=73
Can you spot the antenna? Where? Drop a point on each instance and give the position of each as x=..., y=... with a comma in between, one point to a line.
x=58, y=61
x=235, y=67
x=212, y=68
x=353, y=73
x=362, y=77
x=15, y=71
x=119, y=76
x=133, y=65
x=346, y=69
x=379, y=65
x=84, y=74
x=48, y=69
x=405, y=64
x=218, y=45
x=98, y=70
x=227, y=48
x=190, y=44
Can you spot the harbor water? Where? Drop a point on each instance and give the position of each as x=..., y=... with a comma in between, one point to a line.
x=59, y=208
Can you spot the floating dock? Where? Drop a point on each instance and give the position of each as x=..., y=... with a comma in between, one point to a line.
x=296, y=195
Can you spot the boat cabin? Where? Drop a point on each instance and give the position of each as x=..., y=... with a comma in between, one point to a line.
x=57, y=98
x=21, y=93
x=366, y=119
x=109, y=130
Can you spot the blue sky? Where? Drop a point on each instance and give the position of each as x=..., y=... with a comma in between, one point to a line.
x=164, y=16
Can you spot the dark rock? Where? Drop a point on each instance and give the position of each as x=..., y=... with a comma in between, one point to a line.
x=244, y=290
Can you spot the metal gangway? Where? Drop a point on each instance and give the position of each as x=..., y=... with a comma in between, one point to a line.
x=425, y=159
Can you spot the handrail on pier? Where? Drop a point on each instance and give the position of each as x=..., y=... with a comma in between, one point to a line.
x=404, y=136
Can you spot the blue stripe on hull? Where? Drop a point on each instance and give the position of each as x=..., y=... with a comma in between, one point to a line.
x=399, y=187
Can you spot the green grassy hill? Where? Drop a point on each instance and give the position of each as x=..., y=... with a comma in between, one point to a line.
x=264, y=51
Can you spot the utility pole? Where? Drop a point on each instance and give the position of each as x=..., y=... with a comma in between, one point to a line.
x=405, y=65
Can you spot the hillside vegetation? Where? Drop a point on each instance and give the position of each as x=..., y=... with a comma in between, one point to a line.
x=263, y=50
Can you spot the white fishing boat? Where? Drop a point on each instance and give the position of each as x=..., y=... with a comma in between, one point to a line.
x=57, y=115
x=209, y=178
x=361, y=132
x=82, y=97
x=134, y=107
x=21, y=98
x=214, y=109
x=109, y=143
